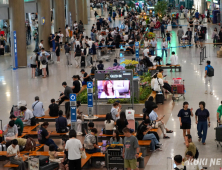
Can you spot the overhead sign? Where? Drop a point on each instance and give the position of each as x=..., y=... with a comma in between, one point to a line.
x=15, y=66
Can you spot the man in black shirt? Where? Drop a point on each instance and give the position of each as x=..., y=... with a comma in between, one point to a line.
x=64, y=96
x=142, y=134
x=98, y=25
x=76, y=84
x=61, y=123
x=53, y=109
x=86, y=77
x=57, y=50
x=57, y=37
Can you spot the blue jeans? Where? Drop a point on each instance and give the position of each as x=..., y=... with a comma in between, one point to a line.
x=163, y=52
x=202, y=126
x=84, y=83
x=140, y=73
x=153, y=139
x=49, y=142
x=90, y=151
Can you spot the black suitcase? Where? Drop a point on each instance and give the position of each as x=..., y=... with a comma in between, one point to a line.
x=43, y=160
x=2, y=51
x=83, y=61
x=159, y=98
x=50, y=166
x=218, y=134
x=7, y=49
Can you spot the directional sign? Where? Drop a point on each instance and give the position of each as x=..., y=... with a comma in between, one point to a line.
x=15, y=52
x=89, y=84
x=90, y=98
x=137, y=49
x=73, y=114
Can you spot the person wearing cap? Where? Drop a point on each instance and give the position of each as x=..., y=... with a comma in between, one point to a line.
x=76, y=84
x=85, y=77
x=65, y=96
x=68, y=54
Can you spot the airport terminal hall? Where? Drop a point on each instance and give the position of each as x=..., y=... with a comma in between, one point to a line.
x=110, y=84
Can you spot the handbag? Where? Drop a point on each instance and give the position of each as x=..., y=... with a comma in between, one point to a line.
x=83, y=155
x=154, y=125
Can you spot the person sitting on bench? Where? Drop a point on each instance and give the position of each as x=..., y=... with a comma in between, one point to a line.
x=65, y=96
x=90, y=142
x=14, y=155
x=109, y=123
x=53, y=109
x=158, y=121
x=18, y=123
x=127, y=46
x=116, y=139
x=43, y=136
x=61, y=123
x=10, y=131
x=28, y=115
x=143, y=134
x=24, y=144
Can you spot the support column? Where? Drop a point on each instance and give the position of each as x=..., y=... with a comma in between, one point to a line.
x=80, y=10
x=59, y=10
x=85, y=13
x=44, y=29
x=17, y=23
x=71, y=8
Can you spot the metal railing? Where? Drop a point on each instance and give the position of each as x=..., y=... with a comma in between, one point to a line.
x=202, y=54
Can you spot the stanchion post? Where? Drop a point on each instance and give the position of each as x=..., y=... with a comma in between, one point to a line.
x=200, y=58
x=205, y=49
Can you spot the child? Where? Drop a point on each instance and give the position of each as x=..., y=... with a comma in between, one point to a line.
x=100, y=66
x=79, y=125
x=168, y=36
x=115, y=63
x=53, y=109
x=53, y=155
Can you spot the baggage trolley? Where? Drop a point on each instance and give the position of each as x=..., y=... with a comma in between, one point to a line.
x=114, y=158
x=178, y=91
x=218, y=135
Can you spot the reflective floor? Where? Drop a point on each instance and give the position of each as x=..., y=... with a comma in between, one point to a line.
x=18, y=85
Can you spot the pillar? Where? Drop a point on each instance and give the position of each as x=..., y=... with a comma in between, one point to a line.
x=80, y=10
x=17, y=23
x=71, y=8
x=59, y=17
x=85, y=13
x=44, y=29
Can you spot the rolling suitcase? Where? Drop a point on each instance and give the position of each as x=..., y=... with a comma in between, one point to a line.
x=38, y=72
x=159, y=98
x=83, y=61
x=2, y=51
x=7, y=49
x=180, y=88
x=50, y=166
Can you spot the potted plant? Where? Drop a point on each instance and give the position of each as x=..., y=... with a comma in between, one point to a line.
x=160, y=8
x=130, y=64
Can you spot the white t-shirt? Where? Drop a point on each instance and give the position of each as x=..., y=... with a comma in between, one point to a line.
x=152, y=58
x=145, y=52
x=125, y=37
x=61, y=37
x=28, y=116
x=174, y=60
x=157, y=84
x=144, y=23
x=77, y=43
x=90, y=43
x=126, y=28
x=41, y=45
x=73, y=146
x=192, y=166
x=146, y=43
x=112, y=33
x=100, y=37
x=12, y=150
x=109, y=126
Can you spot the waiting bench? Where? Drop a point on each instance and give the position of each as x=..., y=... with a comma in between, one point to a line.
x=53, y=134
x=170, y=67
x=27, y=129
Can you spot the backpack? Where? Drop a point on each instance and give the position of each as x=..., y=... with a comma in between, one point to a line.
x=210, y=71
x=93, y=70
x=33, y=121
x=181, y=169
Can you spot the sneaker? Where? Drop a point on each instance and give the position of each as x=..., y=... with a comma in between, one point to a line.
x=158, y=149
x=211, y=93
x=160, y=144
x=205, y=92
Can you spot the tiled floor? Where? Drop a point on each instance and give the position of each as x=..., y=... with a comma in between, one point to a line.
x=18, y=85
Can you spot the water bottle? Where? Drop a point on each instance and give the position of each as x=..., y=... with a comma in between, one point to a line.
x=102, y=131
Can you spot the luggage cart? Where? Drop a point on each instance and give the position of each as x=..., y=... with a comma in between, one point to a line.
x=114, y=158
x=179, y=90
x=184, y=41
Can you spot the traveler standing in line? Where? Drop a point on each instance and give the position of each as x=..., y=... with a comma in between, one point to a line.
x=37, y=108
x=73, y=147
x=60, y=34
x=67, y=33
x=130, y=150
x=77, y=56
x=68, y=54
x=201, y=117
x=34, y=62
x=215, y=37
x=57, y=50
x=164, y=47
x=184, y=118
x=189, y=36
x=180, y=33
x=209, y=73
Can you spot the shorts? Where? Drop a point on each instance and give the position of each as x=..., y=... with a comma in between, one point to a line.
x=44, y=66
x=50, y=45
x=33, y=66
x=168, y=38
x=57, y=53
x=130, y=163
x=185, y=126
